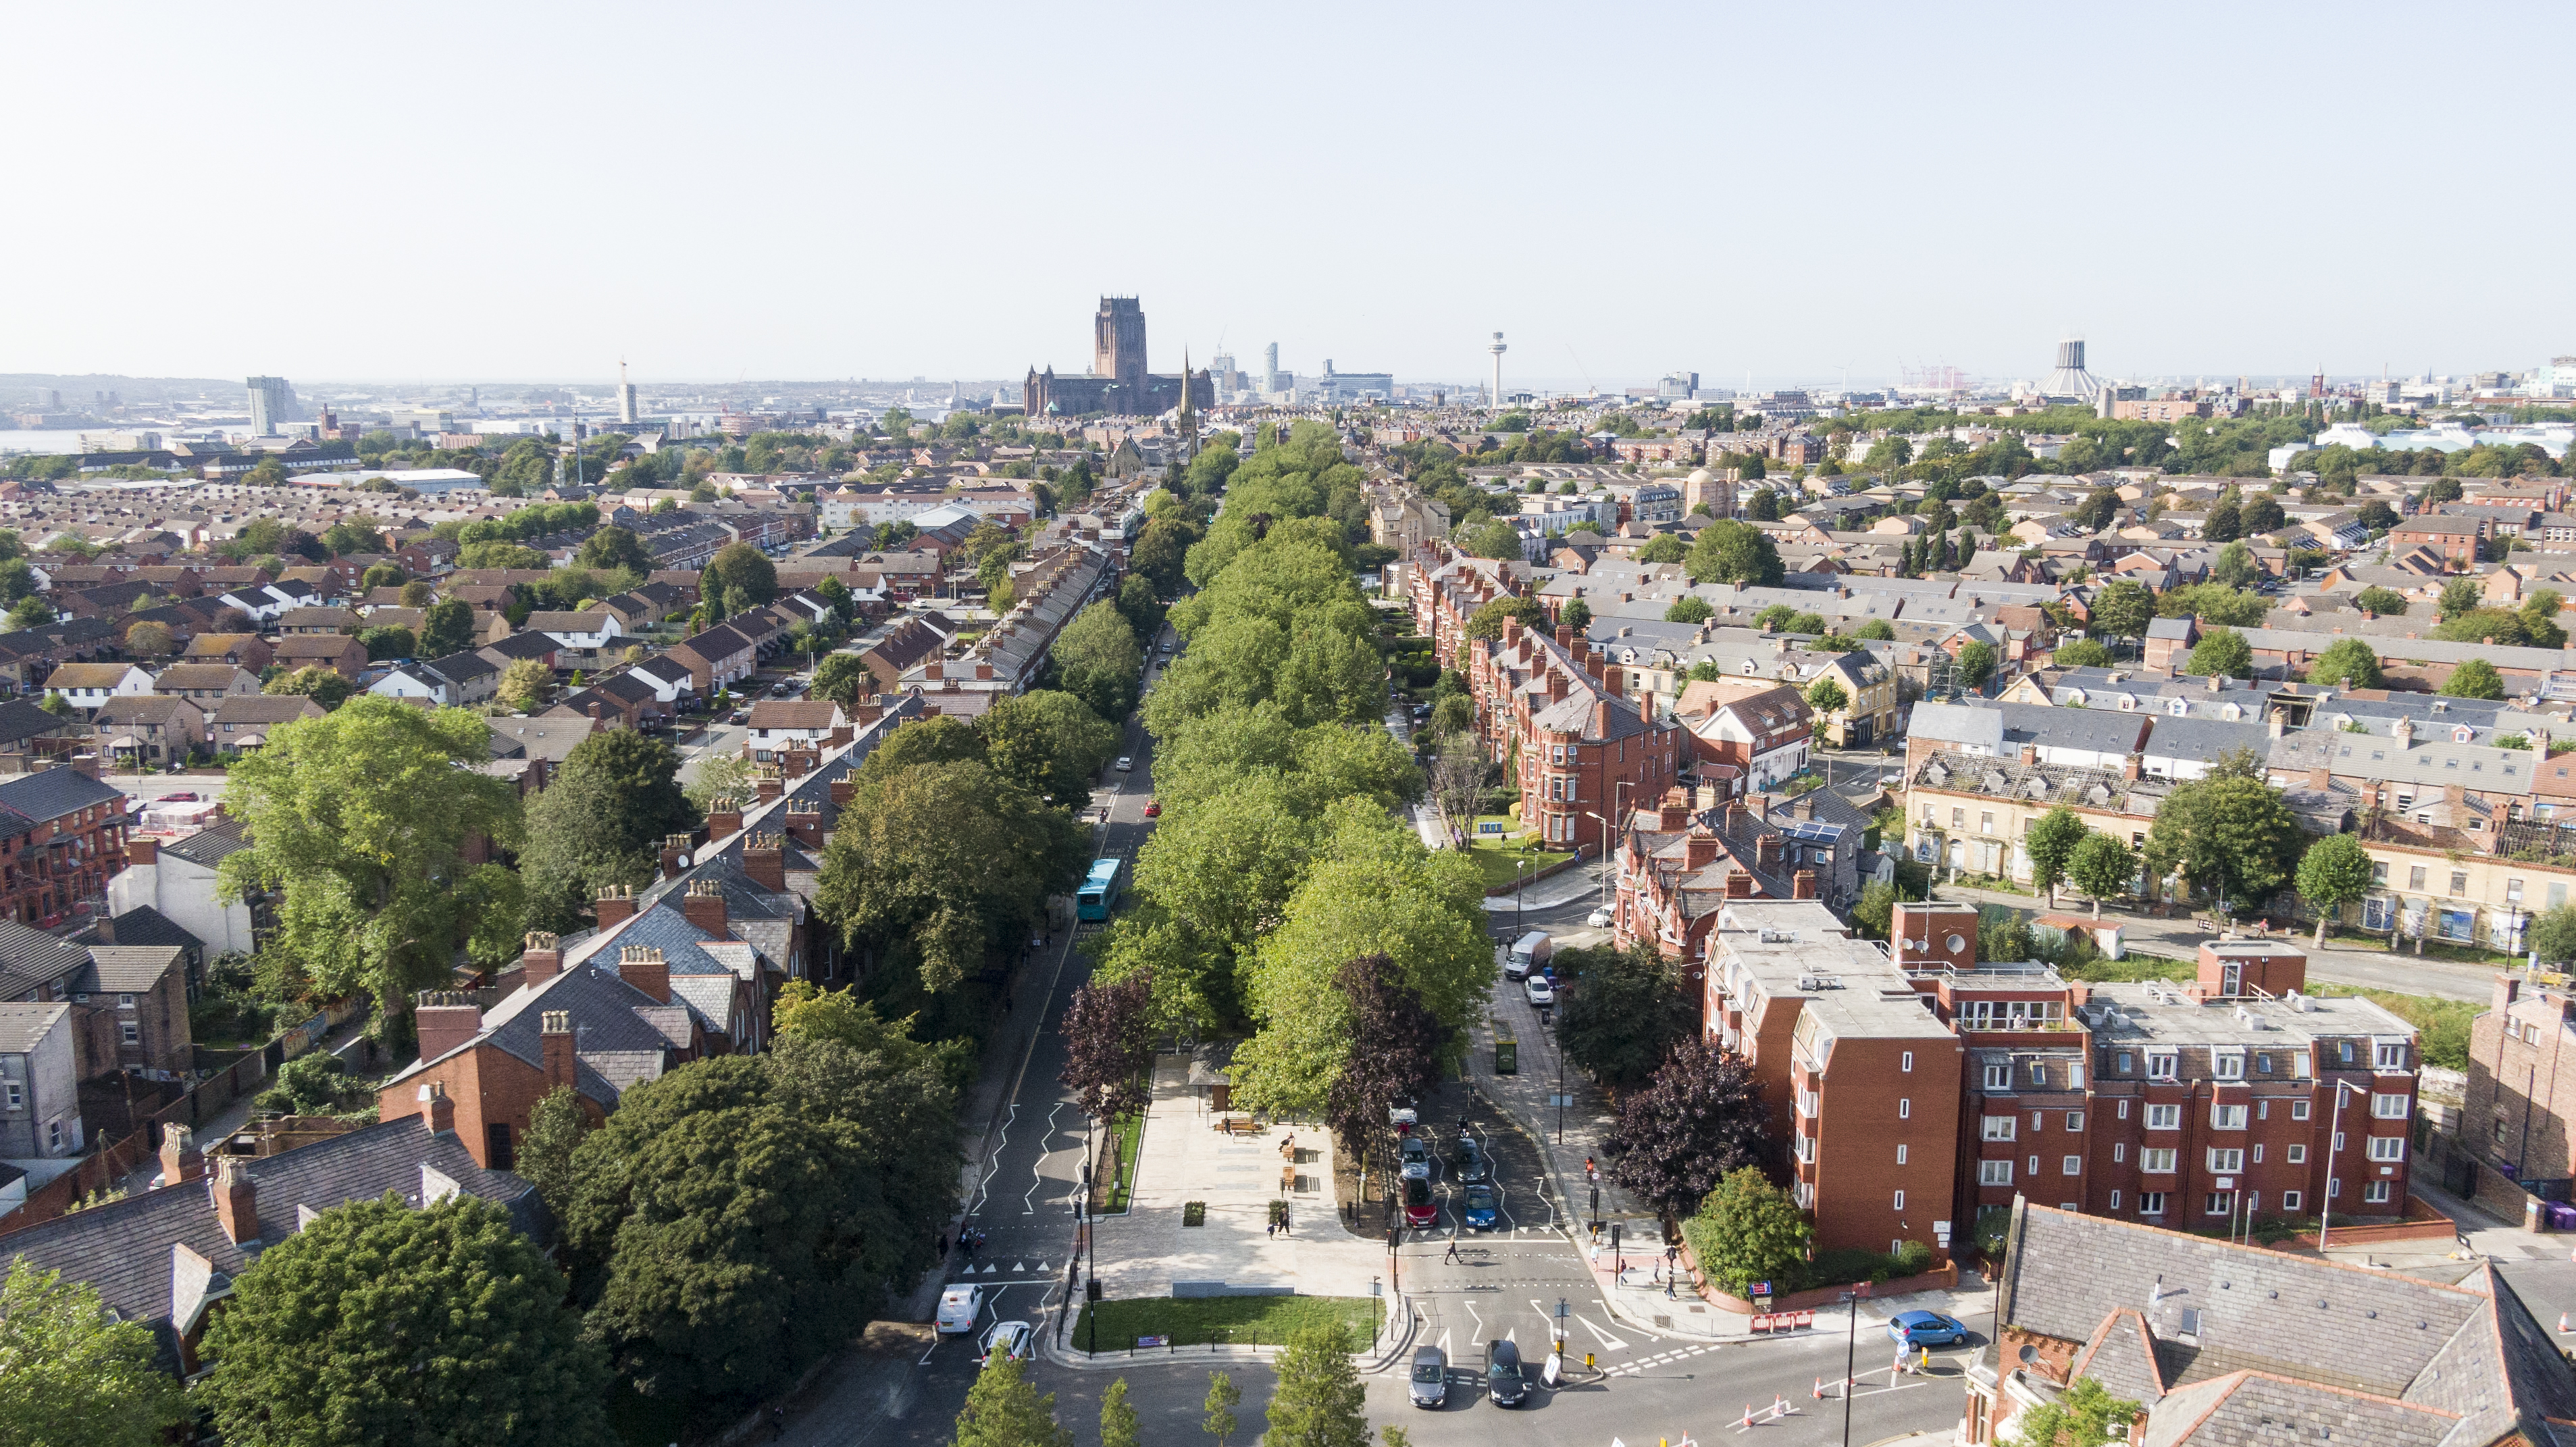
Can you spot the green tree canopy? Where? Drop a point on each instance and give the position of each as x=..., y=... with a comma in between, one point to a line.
x=946, y=861
x=1689, y=608
x=1749, y=1230
x=740, y=576
x=323, y=685
x=72, y=1374
x=1492, y=538
x=1734, y=552
x=2123, y=608
x=2051, y=843
x=1048, y=742
x=1663, y=548
x=2103, y=867
x=616, y=547
x=380, y=1323
x=1099, y=660
x=2231, y=838
x=2334, y=872
x=2083, y=653
x=2348, y=663
x=2222, y=652
x=2476, y=678
x=1698, y=1119
x=2082, y=1416
x=741, y=1216
x=1626, y=1011
x=361, y=819
x=447, y=627
x=1003, y=1410
x=1320, y=1400
x=600, y=821
x=1976, y=663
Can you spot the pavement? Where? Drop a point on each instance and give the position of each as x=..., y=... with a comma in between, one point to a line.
x=2181, y=939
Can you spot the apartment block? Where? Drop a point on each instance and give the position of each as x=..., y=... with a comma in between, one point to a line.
x=1861, y=1080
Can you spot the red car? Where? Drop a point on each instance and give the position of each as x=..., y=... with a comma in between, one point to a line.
x=176, y=799
x=1153, y=809
x=1419, y=1208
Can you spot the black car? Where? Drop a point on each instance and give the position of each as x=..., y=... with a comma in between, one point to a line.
x=1471, y=1163
x=1503, y=1380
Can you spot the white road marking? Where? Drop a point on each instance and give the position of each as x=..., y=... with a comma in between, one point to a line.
x=1609, y=1343
x=1037, y=1168
x=1480, y=1320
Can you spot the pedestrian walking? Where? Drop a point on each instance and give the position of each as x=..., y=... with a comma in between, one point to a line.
x=943, y=1245
x=1453, y=1250
x=1270, y=1229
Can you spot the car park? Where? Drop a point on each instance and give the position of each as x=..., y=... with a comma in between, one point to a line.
x=1430, y=1384
x=1926, y=1329
x=1012, y=1339
x=1472, y=1166
x=1503, y=1380
x=958, y=1308
x=1413, y=1158
x=1419, y=1208
x=1540, y=990
x=1478, y=1207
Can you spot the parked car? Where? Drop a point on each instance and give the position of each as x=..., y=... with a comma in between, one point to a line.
x=1539, y=990
x=1479, y=1209
x=190, y=797
x=1926, y=1329
x=1419, y=1209
x=1529, y=952
x=1503, y=1381
x=958, y=1308
x=1598, y=919
x=1472, y=1165
x=1013, y=1339
x=1401, y=1115
x=739, y=716
x=1125, y=764
x=1413, y=1158
x=1153, y=808
x=1430, y=1385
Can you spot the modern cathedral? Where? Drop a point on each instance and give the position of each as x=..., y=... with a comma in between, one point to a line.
x=1117, y=384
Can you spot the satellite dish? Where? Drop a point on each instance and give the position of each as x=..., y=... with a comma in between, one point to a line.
x=2029, y=1354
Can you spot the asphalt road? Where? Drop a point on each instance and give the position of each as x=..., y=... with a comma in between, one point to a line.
x=1024, y=1202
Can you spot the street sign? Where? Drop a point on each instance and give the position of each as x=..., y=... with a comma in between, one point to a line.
x=1762, y=1288
x=1560, y=1100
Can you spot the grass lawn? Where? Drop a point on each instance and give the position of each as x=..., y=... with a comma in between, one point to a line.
x=1128, y=1132
x=1201, y=1320
x=1503, y=864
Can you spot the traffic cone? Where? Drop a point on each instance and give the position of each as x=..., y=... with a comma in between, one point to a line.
x=1820, y=1382
x=1747, y=1424
x=2563, y=1327
x=1779, y=1406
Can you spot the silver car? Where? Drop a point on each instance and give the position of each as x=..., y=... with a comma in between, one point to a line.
x=1430, y=1384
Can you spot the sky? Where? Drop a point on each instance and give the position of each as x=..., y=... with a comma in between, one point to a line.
x=472, y=192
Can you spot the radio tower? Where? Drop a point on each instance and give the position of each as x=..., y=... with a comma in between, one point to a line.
x=1498, y=349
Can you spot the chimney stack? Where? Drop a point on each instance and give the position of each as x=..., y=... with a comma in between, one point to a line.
x=180, y=1158
x=236, y=1200
x=675, y=854
x=704, y=906
x=724, y=819
x=1699, y=851
x=616, y=905
x=1802, y=885
x=844, y=789
x=142, y=853
x=768, y=785
x=436, y=1108
x=764, y=861
x=555, y=1038
x=805, y=822
x=444, y=1019
x=1739, y=885
x=542, y=960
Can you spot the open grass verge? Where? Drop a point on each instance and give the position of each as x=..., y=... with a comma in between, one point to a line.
x=1198, y=1321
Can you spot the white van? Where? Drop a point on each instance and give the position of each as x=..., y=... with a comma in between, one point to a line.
x=958, y=1308
x=1529, y=952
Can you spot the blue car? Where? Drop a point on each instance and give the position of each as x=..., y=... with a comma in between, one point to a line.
x=1479, y=1208
x=1926, y=1329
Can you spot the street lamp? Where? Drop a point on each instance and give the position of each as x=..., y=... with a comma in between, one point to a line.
x=2325, y=1212
x=1520, y=868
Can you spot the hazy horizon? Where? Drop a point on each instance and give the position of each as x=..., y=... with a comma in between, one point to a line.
x=807, y=192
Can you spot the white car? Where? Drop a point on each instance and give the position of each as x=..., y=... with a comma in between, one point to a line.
x=958, y=1308
x=1125, y=764
x=1013, y=1339
x=1598, y=919
x=1540, y=991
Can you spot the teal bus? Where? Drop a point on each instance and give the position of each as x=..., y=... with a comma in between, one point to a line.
x=1099, y=892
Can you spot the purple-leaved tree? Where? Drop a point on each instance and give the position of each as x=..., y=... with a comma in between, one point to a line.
x=1695, y=1121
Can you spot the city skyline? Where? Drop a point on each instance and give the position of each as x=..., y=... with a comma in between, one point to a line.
x=2181, y=195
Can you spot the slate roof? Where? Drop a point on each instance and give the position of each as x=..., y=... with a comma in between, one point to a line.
x=123, y=1248
x=2247, y=1341
x=55, y=792
x=268, y=708
x=523, y=646
x=24, y=1023
x=210, y=676
x=607, y=1016
x=21, y=720
x=144, y=925
x=207, y=846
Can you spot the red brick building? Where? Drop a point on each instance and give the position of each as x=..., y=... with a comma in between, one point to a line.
x=2460, y=540
x=62, y=833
